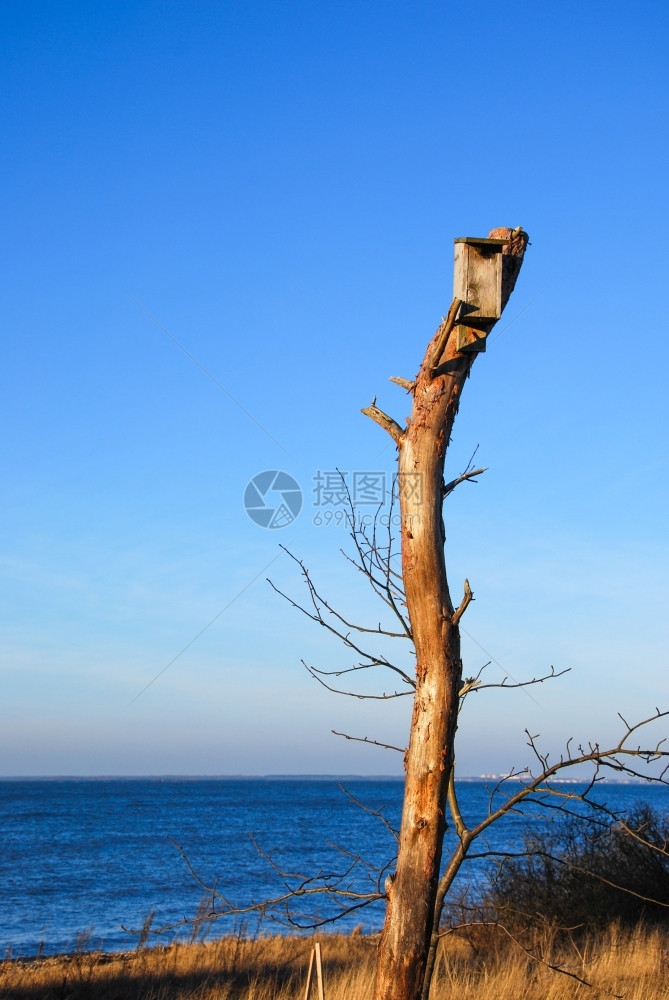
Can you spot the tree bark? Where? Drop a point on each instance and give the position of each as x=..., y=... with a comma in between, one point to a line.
x=411, y=891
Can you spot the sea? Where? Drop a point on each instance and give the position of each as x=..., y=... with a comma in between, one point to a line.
x=86, y=863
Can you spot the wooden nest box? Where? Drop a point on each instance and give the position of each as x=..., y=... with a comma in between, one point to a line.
x=477, y=280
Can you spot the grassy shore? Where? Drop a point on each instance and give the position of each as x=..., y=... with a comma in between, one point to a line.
x=486, y=967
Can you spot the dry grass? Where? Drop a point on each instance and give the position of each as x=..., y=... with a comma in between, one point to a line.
x=229, y=969
x=488, y=966
x=615, y=962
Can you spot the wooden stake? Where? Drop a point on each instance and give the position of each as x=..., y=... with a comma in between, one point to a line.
x=319, y=971
x=315, y=953
x=311, y=966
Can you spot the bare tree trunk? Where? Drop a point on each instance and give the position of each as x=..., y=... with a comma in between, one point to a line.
x=422, y=447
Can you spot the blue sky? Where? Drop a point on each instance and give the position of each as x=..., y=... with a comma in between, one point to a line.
x=277, y=186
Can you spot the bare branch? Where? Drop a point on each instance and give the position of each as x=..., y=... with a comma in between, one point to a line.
x=372, y=812
x=405, y=383
x=473, y=683
x=469, y=475
x=371, y=559
x=355, y=694
x=466, y=477
x=366, y=739
x=334, y=887
x=375, y=557
x=464, y=604
x=460, y=827
x=317, y=599
x=363, y=666
x=383, y=420
x=317, y=616
x=614, y=758
x=635, y=834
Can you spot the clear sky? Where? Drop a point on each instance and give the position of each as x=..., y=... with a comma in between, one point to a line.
x=277, y=186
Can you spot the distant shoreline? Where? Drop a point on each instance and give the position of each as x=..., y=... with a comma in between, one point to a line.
x=294, y=777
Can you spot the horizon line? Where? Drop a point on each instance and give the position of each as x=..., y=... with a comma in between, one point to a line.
x=282, y=776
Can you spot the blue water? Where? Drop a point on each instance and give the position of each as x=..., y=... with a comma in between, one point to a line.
x=85, y=856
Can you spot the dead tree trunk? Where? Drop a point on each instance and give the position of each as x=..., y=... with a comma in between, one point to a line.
x=434, y=621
